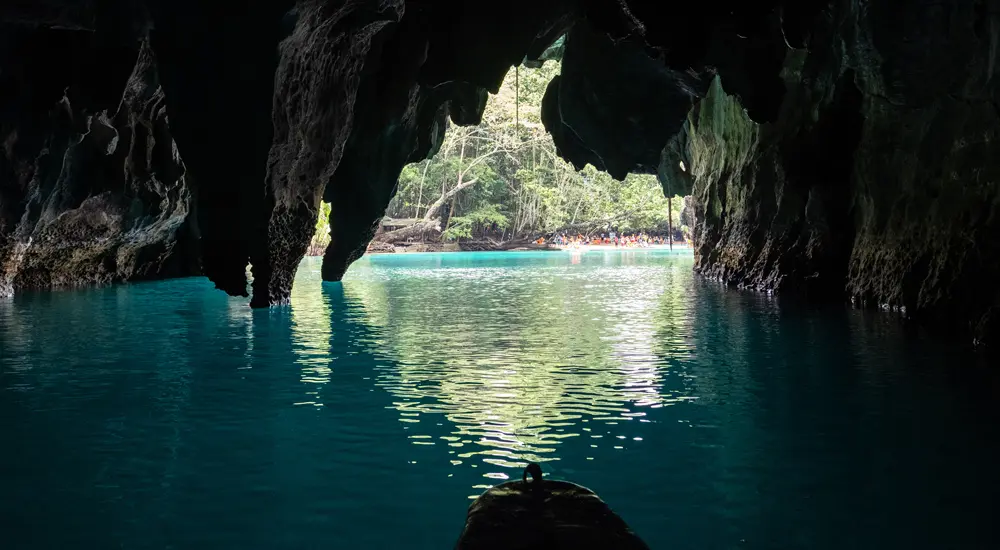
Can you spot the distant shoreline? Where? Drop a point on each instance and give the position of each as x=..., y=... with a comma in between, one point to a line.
x=444, y=248
x=439, y=248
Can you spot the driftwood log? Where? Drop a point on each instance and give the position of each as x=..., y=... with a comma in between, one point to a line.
x=544, y=515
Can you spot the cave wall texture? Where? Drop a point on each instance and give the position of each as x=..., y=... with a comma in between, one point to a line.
x=877, y=181
x=92, y=188
x=840, y=149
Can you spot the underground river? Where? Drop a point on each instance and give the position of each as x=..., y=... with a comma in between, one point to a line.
x=369, y=412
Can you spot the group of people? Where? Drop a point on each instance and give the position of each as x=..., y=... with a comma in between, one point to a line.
x=627, y=240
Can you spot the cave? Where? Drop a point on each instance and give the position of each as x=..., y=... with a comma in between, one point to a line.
x=839, y=152
x=808, y=376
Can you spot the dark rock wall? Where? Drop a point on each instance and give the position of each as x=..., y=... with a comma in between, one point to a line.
x=878, y=180
x=322, y=68
x=590, y=107
x=274, y=106
x=842, y=149
x=396, y=119
x=773, y=212
x=437, y=60
x=217, y=62
x=92, y=188
x=927, y=170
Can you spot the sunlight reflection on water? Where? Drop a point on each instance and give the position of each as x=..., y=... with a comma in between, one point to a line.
x=553, y=351
x=167, y=414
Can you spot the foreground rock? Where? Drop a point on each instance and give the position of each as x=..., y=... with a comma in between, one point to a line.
x=543, y=514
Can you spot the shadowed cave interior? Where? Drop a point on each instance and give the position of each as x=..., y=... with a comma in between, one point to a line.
x=842, y=151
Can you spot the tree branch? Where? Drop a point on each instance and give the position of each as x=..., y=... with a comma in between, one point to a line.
x=432, y=210
x=430, y=221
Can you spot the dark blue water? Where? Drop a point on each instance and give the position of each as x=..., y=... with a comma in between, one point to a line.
x=368, y=413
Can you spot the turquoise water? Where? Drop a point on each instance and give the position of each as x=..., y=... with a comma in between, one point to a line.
x=369, y=412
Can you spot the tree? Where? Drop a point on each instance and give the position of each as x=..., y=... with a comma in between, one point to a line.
x=431, y=220
x=504, y=180
x=487, y=217
x=321, y=239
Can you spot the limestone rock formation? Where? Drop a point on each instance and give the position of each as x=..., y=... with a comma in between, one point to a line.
x=92, y=187
x=590, y=108
x=397, y=120
x=217, y=62
x=274, y=105
x=877, y=181
x=841, y=149
x=411, y=80
x=320, y=75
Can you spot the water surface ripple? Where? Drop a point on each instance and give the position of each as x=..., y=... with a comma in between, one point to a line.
x=369, y=412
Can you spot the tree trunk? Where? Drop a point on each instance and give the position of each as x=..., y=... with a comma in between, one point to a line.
x=576, y=211
x=670, y=222
x=433, y=209
x=420, y=191
x=414, y=230
x=431, y=221
x=458, y=183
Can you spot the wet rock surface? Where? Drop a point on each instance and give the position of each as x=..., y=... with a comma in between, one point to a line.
x=276, y=105
x=842, y=150
x=321, y=72
x=397, y=120
x=217, y=63
x=878, y=180
x=92, y=187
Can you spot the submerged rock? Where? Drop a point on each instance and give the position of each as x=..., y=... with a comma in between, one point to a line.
x=544, y=514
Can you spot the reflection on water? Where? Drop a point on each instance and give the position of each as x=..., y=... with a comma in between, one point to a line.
x=551, y=352
x=311, y=324
x=512, y=354
x=167, y=415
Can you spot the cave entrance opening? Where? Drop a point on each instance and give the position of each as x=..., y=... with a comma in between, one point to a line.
x=502, y=184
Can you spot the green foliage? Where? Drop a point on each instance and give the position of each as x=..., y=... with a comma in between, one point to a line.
x=522, y=187
x=460, y=228
x=323, y=222
x=322, y=236
x=487, y=216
